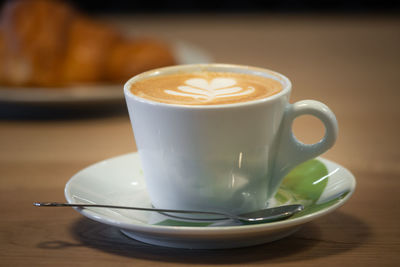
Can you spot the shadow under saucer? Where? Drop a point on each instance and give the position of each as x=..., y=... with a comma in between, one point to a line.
x=312, y=241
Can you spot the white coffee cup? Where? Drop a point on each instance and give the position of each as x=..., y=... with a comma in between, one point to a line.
x=229, y=157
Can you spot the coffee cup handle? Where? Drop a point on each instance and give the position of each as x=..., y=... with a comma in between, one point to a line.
x=290, y=151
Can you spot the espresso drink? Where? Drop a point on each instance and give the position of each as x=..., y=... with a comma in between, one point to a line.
x=205, y=88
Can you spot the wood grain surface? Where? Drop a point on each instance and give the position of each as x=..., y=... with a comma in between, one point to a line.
x=351, y=63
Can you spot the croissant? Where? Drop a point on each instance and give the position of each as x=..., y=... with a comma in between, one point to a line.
x=47, y=43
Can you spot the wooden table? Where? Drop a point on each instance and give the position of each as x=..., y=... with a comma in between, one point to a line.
x=351, y=63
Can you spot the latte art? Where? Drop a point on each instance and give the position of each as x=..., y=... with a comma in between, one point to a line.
x=205, y=88
x=201, y=89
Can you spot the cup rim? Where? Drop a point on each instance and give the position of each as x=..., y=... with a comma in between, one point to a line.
x=245, y=69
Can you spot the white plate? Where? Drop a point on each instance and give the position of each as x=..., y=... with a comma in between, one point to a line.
x=91, y=94
x=119, y=181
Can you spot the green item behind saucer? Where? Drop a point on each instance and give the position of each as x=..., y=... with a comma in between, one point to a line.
x=307, y=181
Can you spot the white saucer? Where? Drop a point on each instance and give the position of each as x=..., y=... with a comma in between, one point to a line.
x=320, y=185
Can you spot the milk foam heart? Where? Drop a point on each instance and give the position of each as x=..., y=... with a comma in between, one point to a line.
x=206, y=88
x=200, y=88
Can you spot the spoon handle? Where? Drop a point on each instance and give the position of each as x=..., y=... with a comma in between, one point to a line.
x=57, y=204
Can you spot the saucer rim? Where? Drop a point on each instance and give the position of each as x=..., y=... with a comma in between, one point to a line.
x=196, y=230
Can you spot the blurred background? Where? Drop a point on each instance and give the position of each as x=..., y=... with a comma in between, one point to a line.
x=238, y=6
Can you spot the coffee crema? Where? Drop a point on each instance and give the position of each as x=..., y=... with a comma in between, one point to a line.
x=205, y=88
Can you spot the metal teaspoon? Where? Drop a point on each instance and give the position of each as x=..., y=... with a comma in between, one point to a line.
x=264, y=215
